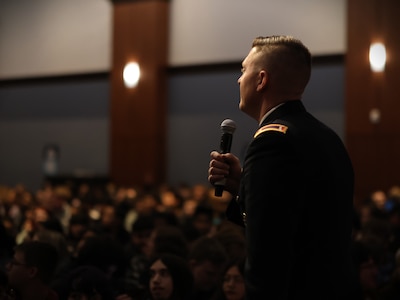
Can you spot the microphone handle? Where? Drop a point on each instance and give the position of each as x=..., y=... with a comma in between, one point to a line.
x=226, y=143
x=219, y=189
x=225, y=147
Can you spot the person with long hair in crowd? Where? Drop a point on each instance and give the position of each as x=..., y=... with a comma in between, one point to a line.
x=232, y=286
x=170, y=278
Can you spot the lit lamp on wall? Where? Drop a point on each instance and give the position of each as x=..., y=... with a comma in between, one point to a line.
x=131, y=74
x=377, y=57
x=377, y=61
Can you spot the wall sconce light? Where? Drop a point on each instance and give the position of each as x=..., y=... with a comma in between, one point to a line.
x=375, y=116
x=131, y=74
x=377, y=57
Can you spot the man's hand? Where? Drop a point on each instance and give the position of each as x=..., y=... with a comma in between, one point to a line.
x=225, y=166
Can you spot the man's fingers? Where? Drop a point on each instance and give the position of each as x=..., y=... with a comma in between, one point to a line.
x=218, y=168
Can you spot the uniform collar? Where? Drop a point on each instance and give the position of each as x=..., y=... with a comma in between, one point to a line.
x=269, y=112
x=282, y=109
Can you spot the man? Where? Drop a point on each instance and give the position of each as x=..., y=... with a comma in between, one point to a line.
x=30, y=271
x=294, y=194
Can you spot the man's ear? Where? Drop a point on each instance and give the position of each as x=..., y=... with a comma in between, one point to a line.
x=262, y=80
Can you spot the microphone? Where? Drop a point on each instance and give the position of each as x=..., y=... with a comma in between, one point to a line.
x=228, y=127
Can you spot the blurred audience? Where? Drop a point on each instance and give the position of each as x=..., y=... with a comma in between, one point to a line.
x=104, y=240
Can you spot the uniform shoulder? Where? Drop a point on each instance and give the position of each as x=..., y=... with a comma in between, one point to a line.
x=277, y=127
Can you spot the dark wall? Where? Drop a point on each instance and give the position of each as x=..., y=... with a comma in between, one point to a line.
x=374, y=145
x=73, y=113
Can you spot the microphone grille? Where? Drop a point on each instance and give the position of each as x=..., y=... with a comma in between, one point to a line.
x=228, y=126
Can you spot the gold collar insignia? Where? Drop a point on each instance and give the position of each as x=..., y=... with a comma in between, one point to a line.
x=271, y=127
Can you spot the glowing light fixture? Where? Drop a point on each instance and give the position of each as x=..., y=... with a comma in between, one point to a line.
x=377, y=57
x=131, y=74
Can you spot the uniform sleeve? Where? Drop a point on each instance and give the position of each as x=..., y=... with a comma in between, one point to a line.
x=273, y=190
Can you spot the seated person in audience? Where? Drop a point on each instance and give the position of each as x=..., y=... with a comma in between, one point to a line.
x=207, y=259
x=30, y=271
x=167, y=239
x=200, y=223
x=58, y=241
x=135, y=282
x=165, y=218
x=163, y=240
x=87, y=282
x=111, y=224
x=365, y=258
x=78, y=225
x=170, y=278
x=140, y=233
x=233, y=239
x=232, y=286
x=56, y=201
x=97, y=251
x=170, y=201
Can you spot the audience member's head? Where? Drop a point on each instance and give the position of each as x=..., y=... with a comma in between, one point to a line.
x=32, y=268
x=170, y=278
x=167, y=239
x=141, y=231
x=104, y=253
x=146, y=204
x=203, y=219
x=233, y=281
x=78, y=224
x=200, y=223
x=207, y=259
x=54, y=238
x=170, y=199
x=165, y=218
x=88, y=282
x=232, y=238
x=232, y=286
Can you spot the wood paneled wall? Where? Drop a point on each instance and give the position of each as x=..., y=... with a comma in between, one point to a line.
x=138, y=115
x=374, y=147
